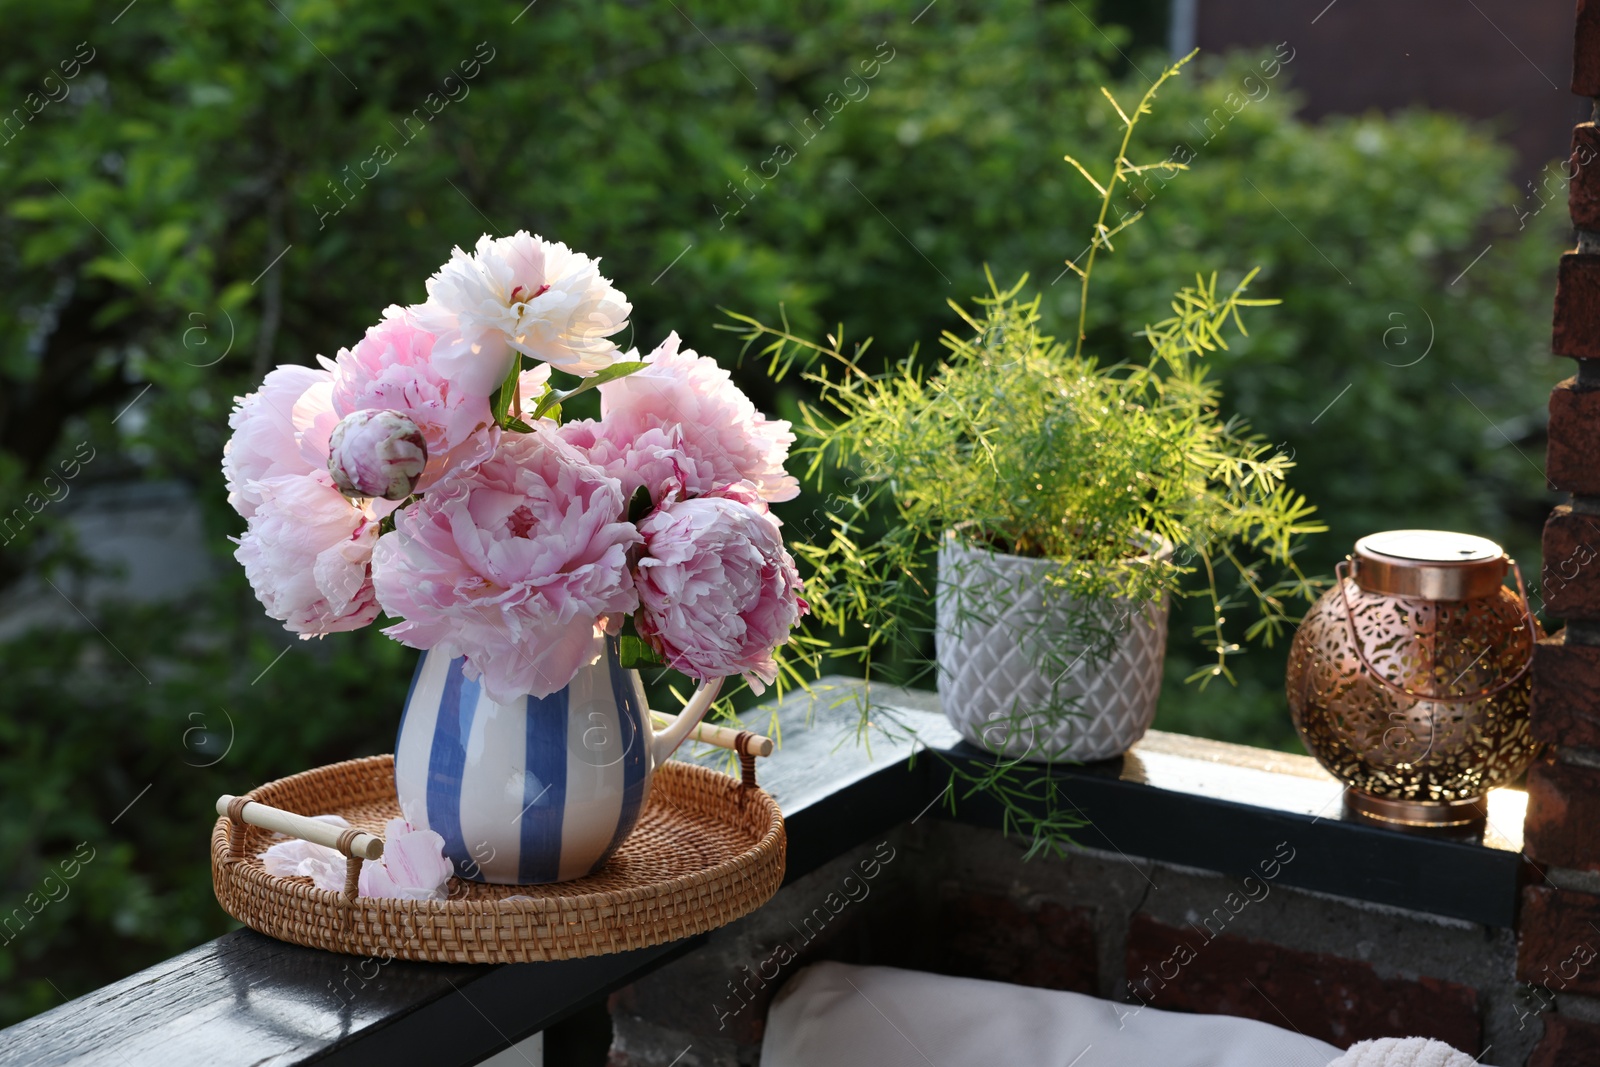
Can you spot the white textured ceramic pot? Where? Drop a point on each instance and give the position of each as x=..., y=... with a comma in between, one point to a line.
x=1013, y=680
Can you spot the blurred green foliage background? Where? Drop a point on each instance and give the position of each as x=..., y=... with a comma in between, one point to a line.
x=226, y=187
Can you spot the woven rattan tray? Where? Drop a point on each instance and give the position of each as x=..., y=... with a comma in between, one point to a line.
x=708, y=849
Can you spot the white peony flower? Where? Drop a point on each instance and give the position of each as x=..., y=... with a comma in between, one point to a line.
x=519, y=294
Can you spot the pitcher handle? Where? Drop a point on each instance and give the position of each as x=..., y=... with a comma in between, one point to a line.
x=667, y=741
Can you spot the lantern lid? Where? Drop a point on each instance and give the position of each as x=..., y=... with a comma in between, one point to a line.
x=1433, y=564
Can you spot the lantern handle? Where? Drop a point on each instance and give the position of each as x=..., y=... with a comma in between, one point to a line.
x=1342, y=576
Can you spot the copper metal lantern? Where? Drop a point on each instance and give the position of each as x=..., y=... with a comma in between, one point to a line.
x=1409, y=681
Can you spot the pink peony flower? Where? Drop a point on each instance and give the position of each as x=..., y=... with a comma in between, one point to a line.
x=525, y=294
x=392, y=368
x=377, y=453
x=412, y=867
x=307, y=551
x=695, y=402
x=295, y=858
x=656, y=460
x=266, y=439
x=314, y=419
x=718, y=593
x=513, y=564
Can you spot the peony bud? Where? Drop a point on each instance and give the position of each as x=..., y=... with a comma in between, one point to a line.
x=377, y=453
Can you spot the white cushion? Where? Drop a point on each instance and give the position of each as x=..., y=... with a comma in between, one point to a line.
x=838, y=1015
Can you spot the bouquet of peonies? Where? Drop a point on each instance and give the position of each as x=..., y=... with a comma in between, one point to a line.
x=425, y=474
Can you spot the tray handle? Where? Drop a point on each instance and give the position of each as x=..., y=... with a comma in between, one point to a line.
x=720, y=736
x=745, y=745
x=355, y=845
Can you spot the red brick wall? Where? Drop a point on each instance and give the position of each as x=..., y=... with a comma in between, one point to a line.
x=1559, y=930
x=1337, y=1000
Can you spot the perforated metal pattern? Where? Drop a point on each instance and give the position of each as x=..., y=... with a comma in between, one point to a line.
x=1468, y=656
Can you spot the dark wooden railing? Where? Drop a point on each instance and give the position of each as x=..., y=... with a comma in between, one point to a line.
x=245, y=1000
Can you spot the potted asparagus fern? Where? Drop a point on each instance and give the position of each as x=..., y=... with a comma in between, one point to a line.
x=1037, y=508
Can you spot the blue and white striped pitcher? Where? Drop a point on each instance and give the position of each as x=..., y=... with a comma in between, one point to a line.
x=540, y=790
